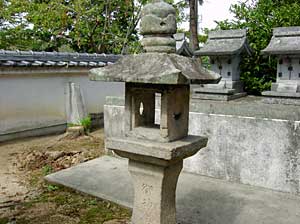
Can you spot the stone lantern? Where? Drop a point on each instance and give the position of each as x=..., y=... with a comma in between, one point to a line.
x=224, y=49
x=156, y=151
x=285, y=44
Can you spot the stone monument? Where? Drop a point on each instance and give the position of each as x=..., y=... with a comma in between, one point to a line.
x=225, y=49
x=285, y=44
x=156, y=152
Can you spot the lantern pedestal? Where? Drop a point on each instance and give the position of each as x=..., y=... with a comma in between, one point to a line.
x=154, y=192
x=155, y=168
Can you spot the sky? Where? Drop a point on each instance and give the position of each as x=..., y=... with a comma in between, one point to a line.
x=212, y=10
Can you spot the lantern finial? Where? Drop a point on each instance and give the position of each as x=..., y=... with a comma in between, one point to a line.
x=158, y=25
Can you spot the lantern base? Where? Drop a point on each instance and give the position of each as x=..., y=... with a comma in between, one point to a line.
x=155, y=167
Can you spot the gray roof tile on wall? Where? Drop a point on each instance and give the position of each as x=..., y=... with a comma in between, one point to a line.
x=54, y=59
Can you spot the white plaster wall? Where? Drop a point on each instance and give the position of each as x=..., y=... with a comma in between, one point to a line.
x=28, y=102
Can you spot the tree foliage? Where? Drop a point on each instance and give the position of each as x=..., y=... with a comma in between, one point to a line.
x=260, y=17
x=103, y=26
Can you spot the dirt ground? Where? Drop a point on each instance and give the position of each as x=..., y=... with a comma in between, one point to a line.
x=26, y=198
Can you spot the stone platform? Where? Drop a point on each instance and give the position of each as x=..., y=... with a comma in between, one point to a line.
x=200, y=200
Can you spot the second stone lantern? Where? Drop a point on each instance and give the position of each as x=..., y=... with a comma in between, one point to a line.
x=156, y=151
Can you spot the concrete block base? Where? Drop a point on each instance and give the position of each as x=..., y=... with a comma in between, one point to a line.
x=273, y=97
x=225, y=90
x=35, y=132
x=217, y=96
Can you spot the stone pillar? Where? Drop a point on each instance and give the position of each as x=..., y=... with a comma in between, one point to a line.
x=75, y=106
x=155, y=192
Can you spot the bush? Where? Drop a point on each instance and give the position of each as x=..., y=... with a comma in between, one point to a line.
x=86, y=123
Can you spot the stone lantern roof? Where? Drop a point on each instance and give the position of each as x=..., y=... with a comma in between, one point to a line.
x=160, y=65
x=285, y=41
x=225, y=42
x=155, y=68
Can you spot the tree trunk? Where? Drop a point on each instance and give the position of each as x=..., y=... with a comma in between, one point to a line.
x=194, y=24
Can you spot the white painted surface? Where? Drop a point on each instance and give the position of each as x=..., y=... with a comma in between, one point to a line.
x=28, y=102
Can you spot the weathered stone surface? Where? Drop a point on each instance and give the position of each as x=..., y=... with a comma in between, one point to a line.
x=159, y=44
x=285, y=41
x=223, y=91
x=74, y=132
x=250, y=142
x=281, y=99
x=75, y=107
x=224, y=86
x=140, y=112
x=182, y=46
x=158, y=24
x=158, y=17
x=154, y=192
x=282, y=94
x=170, y=151
x=175, y=113
x=224, y=48
x=225, y=42
x=152, y=24
x=158, y=8
x=156, y=68
x=217, y=96
x=156, y=153
x=158, y=41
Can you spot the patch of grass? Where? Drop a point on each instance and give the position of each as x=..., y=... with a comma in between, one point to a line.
x=4, y=220
x=51, y=187
x=46, y=170
x=86, y=124
x=64, y=204
x=58, y=204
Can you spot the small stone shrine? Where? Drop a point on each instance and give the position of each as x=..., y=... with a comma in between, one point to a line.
x=285, y=44
x=182, y=46
x=156, y=152
x=225, y=49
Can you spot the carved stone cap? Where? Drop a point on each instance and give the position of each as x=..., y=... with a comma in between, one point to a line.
x=155, y=68
x=158, y=24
